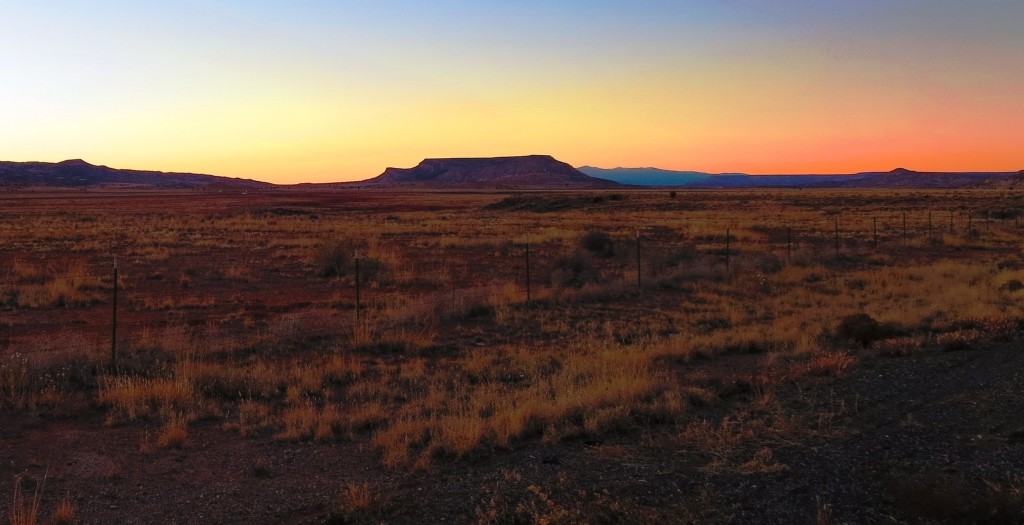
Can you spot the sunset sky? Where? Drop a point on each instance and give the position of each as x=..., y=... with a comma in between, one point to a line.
x=338, y=90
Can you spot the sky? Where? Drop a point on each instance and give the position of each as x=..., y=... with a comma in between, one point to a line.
x=318, y=91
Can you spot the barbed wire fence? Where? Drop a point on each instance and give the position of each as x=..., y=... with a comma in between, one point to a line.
x=122, y=308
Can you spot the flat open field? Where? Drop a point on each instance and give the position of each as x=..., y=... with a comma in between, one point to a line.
x=770, y=356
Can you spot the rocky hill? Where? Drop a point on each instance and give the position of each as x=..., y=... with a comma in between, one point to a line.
x=80, y=174
x=532, y=171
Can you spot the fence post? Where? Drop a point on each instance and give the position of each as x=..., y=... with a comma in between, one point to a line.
x=357, y=291
x=528, y=297
x=113, y=322
x=789, y=244
x=904, y=227
x=874, y=232
x=837, y=237
x=929, y=223
x=639, y=283
x=727, y=268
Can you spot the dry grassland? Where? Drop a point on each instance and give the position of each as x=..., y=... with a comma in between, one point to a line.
x=238, y=315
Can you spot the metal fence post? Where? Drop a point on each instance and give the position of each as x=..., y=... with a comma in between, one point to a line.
x=874, y=232
x=727, y=267
x=113, y=321
x=357, y=291
x=789, y=244
x=528, y=295
x=639, y=282
x=837, y=237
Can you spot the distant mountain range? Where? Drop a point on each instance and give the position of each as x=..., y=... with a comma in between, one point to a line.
x=897, y=178
x=531, y=171
x=80, y=174
x=525, y=172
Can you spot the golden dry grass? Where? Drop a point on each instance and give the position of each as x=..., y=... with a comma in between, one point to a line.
x=64, y=513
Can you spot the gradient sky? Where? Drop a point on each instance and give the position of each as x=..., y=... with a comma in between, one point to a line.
x=338, y=90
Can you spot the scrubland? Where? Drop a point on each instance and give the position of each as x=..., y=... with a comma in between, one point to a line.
x=483, y=336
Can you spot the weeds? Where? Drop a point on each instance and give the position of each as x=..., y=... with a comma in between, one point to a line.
x=65, y=512
x=355, y=501
x=26, y=511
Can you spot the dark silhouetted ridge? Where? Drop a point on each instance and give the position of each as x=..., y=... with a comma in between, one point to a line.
x=77, y=173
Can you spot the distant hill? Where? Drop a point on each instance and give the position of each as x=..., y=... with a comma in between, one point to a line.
x=646, y=176
x=698, y=179
x=80, y=174
x=904, y=178
x=898, y=178
x=1013, y=182
x=770, y=181
x=525, y=172
x=531, y=171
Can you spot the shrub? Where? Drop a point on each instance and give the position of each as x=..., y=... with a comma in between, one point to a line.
x=1000, y=328
x=335, y=259
x=959, y=339
x=173, y=435
x=864, y=329
x=684, y=253
x=575, y=271
x=25, y=512
x=769, y=264
x=598, y=243
x=898, y=346
x=338, y=260
x=371, y=270
x=1013, y=285
x=65, y=511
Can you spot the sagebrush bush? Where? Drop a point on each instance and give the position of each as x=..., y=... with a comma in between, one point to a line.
x=372, y=270
x=335, y=259
x=575, y=271
x=864, y=329
x=598, y=243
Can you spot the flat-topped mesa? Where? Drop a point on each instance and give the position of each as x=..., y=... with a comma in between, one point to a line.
x=533, y=171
